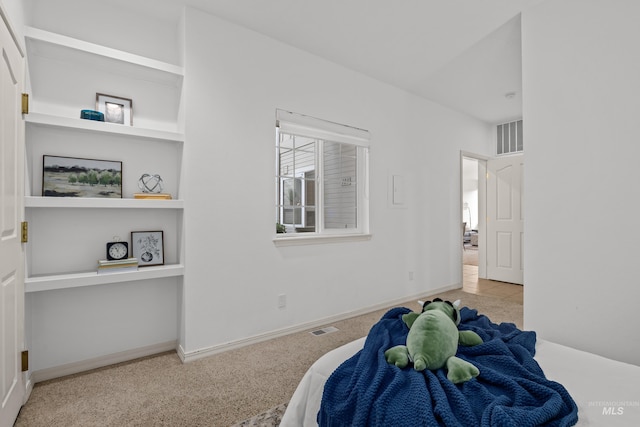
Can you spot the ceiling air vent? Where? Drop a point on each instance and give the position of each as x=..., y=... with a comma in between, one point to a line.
x=509, y=138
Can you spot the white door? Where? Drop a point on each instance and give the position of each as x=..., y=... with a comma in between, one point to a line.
x=12, y=387
x=505, y=222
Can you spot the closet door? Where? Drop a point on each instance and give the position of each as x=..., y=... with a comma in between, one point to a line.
x=11, y=213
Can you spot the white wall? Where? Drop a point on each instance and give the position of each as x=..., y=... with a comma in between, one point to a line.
x=581, y=101
x=140, y=30
x=71, y=326
x=235, y=80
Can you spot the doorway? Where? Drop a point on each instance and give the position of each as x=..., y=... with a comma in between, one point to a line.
x=492, y=188
x=473, y=213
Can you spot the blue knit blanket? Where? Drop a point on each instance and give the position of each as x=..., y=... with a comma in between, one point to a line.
x=511, y=389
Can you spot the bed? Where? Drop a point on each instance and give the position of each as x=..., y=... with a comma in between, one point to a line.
x=599, y=391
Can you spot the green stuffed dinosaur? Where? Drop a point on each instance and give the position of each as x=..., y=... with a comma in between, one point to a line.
x=433, y=339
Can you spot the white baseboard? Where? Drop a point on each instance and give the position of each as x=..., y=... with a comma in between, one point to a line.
x=28, y=386
x=190, y=356
x=99, y=362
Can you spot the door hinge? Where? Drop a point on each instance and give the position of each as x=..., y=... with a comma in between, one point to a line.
x=25, y=360
x=25, y=232
x=25, y=103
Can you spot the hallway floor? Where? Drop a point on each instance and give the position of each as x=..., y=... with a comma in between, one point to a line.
x=473, y=285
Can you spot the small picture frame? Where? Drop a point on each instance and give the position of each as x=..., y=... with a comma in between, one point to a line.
x=115, y=109
x=148, y=247
x=78, y=177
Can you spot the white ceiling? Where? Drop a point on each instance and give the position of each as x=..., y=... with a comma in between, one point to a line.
x=464, y=54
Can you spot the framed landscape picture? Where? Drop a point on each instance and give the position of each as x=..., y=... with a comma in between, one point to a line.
x=148, y=247
x=76, y=177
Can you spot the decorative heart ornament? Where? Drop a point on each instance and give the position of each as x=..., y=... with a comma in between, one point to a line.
x=150, y=183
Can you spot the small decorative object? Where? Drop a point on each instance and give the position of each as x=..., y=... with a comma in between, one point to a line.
x=115, y=109
x=152, y=196
x=117, y=250
x=76, y=177
x=148, y=247
x=117, y=265
x=150, y=183
x=92, y=115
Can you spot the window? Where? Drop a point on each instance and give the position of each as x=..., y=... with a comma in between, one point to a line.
x=321, y=177
x=509, y=138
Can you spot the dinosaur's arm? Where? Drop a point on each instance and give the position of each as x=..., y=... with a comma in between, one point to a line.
x=398, y=356
x=409, y=318
x=469, y=338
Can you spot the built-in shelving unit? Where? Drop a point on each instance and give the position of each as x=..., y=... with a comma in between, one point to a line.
x=64, y=76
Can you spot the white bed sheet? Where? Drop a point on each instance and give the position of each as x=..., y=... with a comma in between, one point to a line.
x=606, y=391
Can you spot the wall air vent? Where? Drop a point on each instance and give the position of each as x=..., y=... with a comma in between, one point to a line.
x=509, y=138
x=323, y=331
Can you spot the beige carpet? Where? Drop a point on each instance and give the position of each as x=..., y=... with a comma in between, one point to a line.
x=270, y=418
x=221, y=390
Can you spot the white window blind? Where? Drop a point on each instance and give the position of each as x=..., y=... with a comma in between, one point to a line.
x=300, y=124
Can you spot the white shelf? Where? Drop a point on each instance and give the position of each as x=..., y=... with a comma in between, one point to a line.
x=90, y=202
x=103, y=127
x=92, y=278
x=66, y=48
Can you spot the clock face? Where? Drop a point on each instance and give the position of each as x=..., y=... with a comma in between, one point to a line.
x=117, y=250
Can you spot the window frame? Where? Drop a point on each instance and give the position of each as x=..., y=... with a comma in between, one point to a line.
x=300, y=177
x=322, y=131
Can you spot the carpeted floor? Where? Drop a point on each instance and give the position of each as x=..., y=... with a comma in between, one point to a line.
x=221, y=390
x=269, y=418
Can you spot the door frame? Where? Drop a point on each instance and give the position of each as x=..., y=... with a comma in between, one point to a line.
x=482, y=210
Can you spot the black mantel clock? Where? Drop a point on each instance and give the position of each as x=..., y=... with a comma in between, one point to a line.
x=117, y=250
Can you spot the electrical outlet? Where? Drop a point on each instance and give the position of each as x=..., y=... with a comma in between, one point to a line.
x=411, y=275
x=282, y=301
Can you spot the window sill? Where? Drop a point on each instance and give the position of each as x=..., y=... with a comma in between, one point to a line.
x=317, y=239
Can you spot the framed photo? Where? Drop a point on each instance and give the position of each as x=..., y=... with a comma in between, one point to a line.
x=148, y=247
x=115, y=109
x=76, y=177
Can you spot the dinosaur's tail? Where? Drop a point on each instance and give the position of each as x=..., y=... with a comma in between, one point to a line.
x=420, y=363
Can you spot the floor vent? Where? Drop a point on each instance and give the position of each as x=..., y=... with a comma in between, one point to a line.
x=323, y=331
